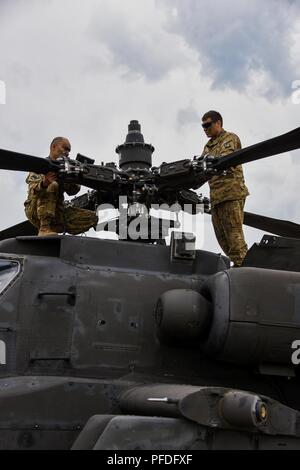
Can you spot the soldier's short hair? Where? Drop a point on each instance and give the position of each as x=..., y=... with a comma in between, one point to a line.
x=56, y=140
x=214, y=115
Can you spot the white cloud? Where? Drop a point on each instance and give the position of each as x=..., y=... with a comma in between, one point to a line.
x=84, y=70
x=235, y=41
x=134, y=36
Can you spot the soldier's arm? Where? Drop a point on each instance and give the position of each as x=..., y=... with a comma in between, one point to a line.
x=71, y=188
x=34, y=182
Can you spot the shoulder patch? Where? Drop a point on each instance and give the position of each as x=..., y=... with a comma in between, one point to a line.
x=228, y=144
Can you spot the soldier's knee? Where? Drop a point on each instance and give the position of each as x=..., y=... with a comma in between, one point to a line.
x=31, y=214
x=53, y=187
x=95, y=220
x=80, y=220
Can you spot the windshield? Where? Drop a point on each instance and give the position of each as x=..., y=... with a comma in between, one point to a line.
x=8, y=271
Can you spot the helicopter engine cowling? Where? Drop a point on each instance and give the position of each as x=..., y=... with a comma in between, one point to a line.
x=245, y=316
x=182, y=315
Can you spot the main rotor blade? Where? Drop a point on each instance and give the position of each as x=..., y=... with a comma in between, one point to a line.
x=21, y=162
x=283, y=143
x=283, y=228
x=19, y=230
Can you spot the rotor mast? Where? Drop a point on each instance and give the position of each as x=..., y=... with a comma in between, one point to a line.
x=134, y=153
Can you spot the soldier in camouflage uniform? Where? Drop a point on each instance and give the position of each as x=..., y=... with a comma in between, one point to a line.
x=45, y=206
x=227, y=192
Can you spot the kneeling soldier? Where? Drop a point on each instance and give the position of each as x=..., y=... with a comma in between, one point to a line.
x=45, y=206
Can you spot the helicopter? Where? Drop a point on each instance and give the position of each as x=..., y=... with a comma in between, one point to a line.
x=137, y=345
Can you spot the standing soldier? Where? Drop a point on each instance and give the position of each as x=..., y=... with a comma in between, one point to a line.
x=227, y=192
x=45, y=207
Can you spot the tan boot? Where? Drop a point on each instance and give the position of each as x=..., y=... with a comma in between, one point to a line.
x=46, y=230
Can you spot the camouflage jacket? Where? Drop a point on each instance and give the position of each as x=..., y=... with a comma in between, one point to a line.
x=229, y=187
x=36, y=190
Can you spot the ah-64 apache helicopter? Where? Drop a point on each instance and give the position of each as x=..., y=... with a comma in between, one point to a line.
x=109, y=344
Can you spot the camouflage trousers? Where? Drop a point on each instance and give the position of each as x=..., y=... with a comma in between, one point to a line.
x=51, y=211
x=227, y=219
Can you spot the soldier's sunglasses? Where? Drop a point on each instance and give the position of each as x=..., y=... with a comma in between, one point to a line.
x=207, y=125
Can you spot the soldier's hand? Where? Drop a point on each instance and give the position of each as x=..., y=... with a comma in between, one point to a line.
x=49, y=178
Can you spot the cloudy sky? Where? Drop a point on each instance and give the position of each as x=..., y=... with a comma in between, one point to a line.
x=85, y=69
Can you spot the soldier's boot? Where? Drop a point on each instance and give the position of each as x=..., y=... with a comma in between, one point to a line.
x=46, y=228
x=46, y=209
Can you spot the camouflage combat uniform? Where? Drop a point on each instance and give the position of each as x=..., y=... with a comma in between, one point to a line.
x=46, y=206
x=227, y=195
